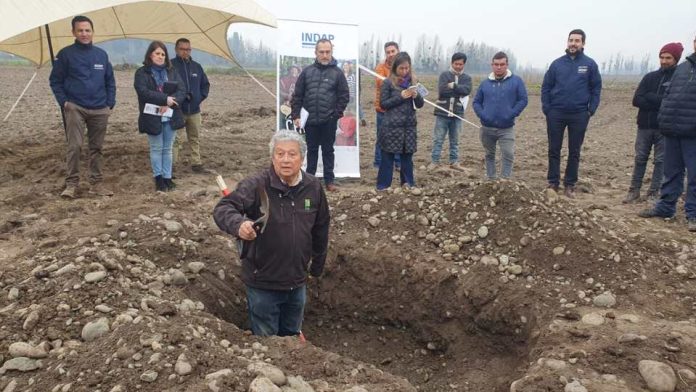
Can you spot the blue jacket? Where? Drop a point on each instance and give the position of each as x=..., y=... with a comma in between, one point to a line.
x=83, y=75
x=196, y=84
x=571, y=85
x=498, y=102
x=677, y=116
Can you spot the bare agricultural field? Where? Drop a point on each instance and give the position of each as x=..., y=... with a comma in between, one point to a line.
x=463, y=285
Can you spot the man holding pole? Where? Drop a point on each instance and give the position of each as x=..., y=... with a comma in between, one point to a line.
x=83, y=83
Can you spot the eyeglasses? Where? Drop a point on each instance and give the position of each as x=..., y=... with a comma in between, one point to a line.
x=184, y=49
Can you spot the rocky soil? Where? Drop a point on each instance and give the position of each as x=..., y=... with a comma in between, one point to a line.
x=458, y=285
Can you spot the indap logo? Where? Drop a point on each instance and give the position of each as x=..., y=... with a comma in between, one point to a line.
x=310, y=39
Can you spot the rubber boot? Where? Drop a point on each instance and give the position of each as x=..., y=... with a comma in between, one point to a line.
x=169, y=184
x=160, y=186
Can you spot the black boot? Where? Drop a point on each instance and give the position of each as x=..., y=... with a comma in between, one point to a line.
x=169, y=184
x=160, y=186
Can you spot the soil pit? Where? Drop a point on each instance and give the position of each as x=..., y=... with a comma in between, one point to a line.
x=443, y=333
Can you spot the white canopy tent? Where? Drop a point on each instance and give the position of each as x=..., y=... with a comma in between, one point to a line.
x=204, y=22
x=35, y=29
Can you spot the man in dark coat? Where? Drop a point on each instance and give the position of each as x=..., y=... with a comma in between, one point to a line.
x=197, y=88
x=321, y=90
x=83, y=83
x=569, y=97
x=677, y=119
x=647, y=99
x=274, y=269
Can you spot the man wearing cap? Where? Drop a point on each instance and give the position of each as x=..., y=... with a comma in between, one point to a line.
x=569, y=97
x=647, y=99
x=677, y=121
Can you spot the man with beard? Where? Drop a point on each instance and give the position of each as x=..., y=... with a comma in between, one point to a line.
x=322, y=90
x=677, y=120
x=569, y=97
x=647, y=99
x=391, y=49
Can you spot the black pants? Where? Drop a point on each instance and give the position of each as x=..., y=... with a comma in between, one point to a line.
x=321, y=135
x=556, y=122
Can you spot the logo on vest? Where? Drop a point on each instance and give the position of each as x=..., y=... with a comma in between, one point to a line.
x=99, y=67
x=582, y=69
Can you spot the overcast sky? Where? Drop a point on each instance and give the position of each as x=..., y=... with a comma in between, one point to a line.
x=534, y=30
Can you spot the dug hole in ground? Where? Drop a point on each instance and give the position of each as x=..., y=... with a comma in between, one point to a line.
x=461, y=285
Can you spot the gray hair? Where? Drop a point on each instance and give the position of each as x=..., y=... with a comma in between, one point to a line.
x=283, y=135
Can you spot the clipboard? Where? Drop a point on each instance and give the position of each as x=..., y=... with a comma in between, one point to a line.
x=170, y=88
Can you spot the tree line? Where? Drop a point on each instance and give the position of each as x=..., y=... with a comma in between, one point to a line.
x=431, y=56
x=248, y=52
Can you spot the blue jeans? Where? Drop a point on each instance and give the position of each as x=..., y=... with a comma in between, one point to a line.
x=680, y=155
x=378, y=150
x=506, y=138
x=386, y=170
x=161, y=151
x=446, y=126
x=556, y=123
x=276, y=312
x=324, y=136
x=645, y=140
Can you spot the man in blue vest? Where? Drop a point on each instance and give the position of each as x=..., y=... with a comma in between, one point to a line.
x=569, y=97
x=677, y=119
x=83, y=83
x=197, y=88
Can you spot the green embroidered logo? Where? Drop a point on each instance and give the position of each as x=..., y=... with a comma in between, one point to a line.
x=307, y=204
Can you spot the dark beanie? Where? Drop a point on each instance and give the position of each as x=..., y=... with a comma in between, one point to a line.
x=673, y=48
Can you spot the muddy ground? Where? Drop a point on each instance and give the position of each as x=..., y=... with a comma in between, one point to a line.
x=462, y=285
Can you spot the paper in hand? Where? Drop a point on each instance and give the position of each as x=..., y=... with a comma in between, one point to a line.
x=154, y=110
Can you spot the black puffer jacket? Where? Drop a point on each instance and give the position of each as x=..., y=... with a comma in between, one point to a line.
x=677, y=115
x=297, y=229
x=398, y=133
x=146, y=88
x=323, y=91
x=649, y=94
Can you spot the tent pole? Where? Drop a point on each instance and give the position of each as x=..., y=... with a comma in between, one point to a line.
x=20, y=96
x=53, y=61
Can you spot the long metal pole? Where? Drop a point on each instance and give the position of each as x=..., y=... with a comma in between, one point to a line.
x=53, y=62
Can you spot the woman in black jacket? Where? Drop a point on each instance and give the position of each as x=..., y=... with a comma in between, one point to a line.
x=398, y=134
x=159, y=88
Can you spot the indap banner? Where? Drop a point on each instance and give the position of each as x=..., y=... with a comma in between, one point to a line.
x=296, y=41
